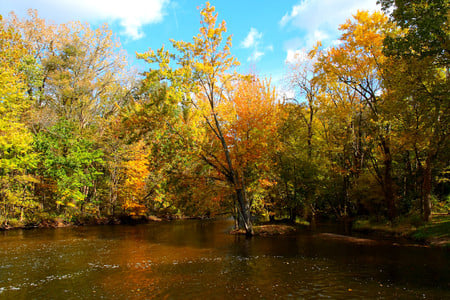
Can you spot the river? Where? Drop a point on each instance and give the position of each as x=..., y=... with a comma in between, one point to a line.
x=194, y=259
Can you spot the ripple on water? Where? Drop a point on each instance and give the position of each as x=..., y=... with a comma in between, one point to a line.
x=201, y=262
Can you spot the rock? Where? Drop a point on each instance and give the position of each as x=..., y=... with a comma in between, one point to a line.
x=154, y=219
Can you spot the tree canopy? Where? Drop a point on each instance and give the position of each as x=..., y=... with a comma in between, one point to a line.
x=364, y=136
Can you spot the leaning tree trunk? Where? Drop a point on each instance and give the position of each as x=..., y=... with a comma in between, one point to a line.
x=244, y=211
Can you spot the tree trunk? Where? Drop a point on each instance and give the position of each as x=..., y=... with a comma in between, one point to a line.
x=244, y=210
x=388, y=187
x=426, y=190
x=21, y=214
x=389, y=192
x=236, y=215
x=312, y=220
x=112, y=201
x=345, y=196
x=271, y=217
x=292, y=215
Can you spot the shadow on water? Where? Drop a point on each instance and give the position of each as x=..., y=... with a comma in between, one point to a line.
x=192, y=259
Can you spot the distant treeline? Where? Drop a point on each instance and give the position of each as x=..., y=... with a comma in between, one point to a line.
x=364, y=133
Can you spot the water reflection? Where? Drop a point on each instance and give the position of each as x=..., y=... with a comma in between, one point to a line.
x=195, y=259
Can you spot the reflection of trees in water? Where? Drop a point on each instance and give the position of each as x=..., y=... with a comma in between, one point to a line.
x=148, y=268
x=191, y=259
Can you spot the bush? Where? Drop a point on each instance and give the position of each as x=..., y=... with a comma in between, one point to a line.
x=442, y=206
x=13, y=222
x=415, y=220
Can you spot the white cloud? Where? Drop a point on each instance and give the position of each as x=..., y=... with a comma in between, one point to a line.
x=286, y=93
x=252, y=39
x=296, y=10
x=336, y=42
x=319, y=35
x=314, y=14
x=319, y=20
x=256, y=56
x=296, y=56
x=132, y=15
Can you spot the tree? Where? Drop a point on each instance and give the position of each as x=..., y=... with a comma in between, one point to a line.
x=82, y=70
x=302, y=80
x=419, y=76
x=343, y=132
x=16, y=157
x=200, y=84
x=84, y=75
x=75, y=78
x=421, y=121
x=250, y=116
x=427, y=29
x=71, y=164
x=135, y=167
x=357, y=63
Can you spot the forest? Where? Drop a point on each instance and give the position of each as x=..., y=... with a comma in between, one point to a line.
x=365, y=136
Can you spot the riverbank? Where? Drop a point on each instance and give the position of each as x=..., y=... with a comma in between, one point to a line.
x=59, y=222
x=268, y=230
x=435, y=233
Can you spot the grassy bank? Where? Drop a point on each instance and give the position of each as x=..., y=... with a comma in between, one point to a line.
x=434, y=233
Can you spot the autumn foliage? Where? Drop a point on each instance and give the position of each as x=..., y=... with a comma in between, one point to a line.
x=81, y=136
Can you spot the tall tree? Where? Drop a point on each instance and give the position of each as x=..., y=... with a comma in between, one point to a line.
x=358, y=62
x=82, y=70
x=422, y=121
x=84, y=75
x=76, y=78
x=202, y=83
x=71, y=164
x=302, y=80
x=16, y=157
x=250, y=117
x=420, y=78
x=427, y=29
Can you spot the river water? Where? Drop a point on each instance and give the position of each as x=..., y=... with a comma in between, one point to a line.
x=199, y=260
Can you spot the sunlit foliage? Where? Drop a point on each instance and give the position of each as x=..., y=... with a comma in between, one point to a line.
x=365, y=133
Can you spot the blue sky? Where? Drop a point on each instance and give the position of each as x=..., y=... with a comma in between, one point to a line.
x=266, y=33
